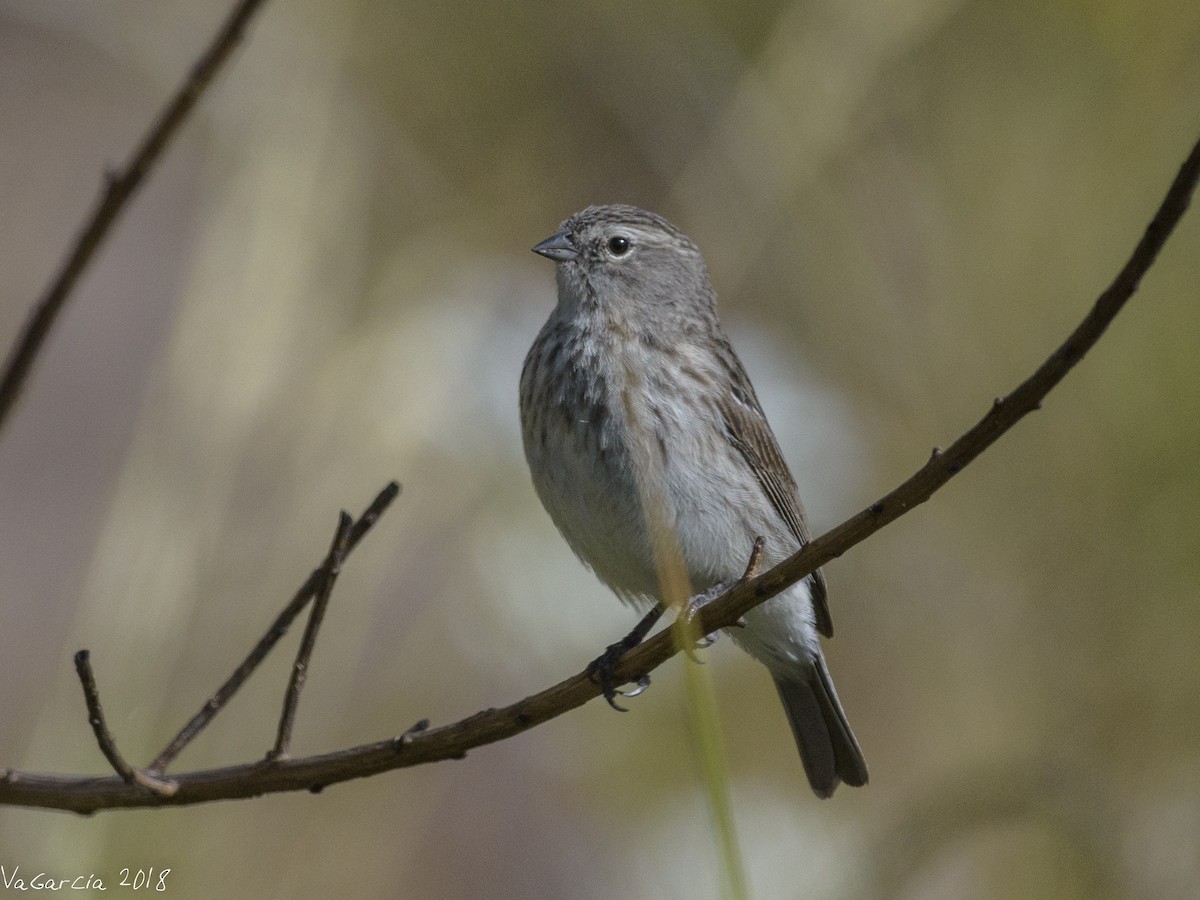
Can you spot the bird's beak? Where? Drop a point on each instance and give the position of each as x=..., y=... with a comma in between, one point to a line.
x=557, y=247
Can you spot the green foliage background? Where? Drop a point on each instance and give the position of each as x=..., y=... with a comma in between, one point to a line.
x=904, y=205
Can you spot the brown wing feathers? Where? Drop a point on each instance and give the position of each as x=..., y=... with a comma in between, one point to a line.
x=747, y=428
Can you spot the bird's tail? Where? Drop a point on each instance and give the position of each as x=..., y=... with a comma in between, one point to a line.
x=827, y=746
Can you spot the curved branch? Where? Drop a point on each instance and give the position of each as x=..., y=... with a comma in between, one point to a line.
x=119, y=188
x=422, y=744
x=104, y=737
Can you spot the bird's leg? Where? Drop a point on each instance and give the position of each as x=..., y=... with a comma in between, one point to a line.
x=600, y=670
x=693, y=605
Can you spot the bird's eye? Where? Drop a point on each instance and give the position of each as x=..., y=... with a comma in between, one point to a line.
x=618, y=246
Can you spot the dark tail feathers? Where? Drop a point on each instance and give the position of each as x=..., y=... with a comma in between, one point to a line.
x=827, y=746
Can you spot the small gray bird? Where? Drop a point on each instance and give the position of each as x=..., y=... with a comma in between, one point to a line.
x=635, y=411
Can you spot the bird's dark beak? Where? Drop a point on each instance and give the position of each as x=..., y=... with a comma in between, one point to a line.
x=557, y=247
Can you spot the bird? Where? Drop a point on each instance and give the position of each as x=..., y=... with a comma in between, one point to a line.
x=638, y=419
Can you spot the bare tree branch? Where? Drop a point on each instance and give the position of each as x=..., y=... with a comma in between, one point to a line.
x=329, y=573
x=1005, y=411
x=119, y=188
x=108, y=744
x=422, y=744
x=277, y=630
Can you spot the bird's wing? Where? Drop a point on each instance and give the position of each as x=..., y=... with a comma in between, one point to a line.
x=747, y=429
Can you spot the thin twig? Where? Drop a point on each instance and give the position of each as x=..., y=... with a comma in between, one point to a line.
x=91, y=696
x=119, y=188
x=83, y=794
x=291, y=698
x=104, y=737
x=277, y=630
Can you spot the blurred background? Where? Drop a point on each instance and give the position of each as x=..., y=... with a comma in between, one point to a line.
x=327, y=284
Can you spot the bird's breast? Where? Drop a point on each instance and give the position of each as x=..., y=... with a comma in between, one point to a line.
x=620, y=427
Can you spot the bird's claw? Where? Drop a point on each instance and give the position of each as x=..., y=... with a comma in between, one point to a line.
x=601, y=671
x=643, y=682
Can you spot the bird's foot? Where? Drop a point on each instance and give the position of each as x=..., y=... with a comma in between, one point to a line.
x=687, y=615
x=602, y=670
